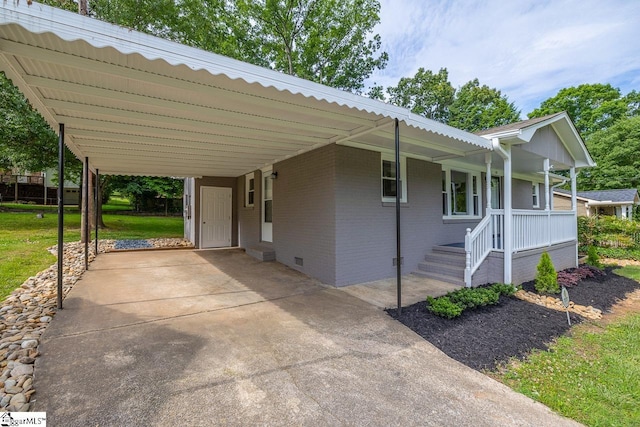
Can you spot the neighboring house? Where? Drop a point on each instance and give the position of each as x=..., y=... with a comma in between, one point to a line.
x=294, y=171
x=35, y=187
x=619, y=203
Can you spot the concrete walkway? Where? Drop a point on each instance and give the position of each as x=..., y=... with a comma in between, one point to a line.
x=204, y=338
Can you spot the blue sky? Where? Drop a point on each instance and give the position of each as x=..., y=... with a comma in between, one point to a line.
x=529, y=49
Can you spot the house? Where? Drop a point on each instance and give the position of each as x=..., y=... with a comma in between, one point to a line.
x=340, y=187
x=620, y=203
x=35, y=187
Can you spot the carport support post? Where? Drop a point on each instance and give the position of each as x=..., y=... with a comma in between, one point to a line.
x=398, y=198
x=60, y=211
x=85, y=196
x=97, y=205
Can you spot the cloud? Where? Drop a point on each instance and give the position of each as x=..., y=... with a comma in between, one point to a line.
x=529, y=49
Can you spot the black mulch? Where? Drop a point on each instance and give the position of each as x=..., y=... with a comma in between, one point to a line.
x=488, y=336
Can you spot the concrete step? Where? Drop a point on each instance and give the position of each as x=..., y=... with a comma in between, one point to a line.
x=440, y=277
x=447, y=258
x=455, y=271
x=262, y=252
x=448, y=249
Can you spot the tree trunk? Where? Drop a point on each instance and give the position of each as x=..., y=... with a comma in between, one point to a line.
x=90, y=211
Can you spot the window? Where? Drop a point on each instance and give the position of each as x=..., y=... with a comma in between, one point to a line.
x=535, y=189
x=460, y=193
x=249, y=190
x=389, y=179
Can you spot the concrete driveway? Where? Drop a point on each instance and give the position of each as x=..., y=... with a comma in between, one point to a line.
x=202, y=338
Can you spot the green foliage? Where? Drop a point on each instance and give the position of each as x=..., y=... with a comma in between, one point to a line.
x=143, y=191
x=593, y=258
x=478, y=107
x=547, y=277
x=615, y=150
x=454, y=303
x=427, y=94
x=592, y=107
x=444, y=307
x=611, y=237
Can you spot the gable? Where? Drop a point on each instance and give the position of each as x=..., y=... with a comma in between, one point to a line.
x=546, y=143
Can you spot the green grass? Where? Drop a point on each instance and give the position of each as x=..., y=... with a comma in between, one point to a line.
x=592, y=376
x=24, y=239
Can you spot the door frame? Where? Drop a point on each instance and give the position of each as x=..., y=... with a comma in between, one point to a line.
x=200, y=234
x=266, y=174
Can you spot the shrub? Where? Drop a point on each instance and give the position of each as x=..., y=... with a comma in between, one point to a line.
x=443, y=307
x=572, y=276
x=474, y=297
x=547, y=278
x=504, y=288
x=593, y=258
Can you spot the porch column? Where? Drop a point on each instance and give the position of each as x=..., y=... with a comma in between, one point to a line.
x=487, y=161
x=546, y=184
x=60, y=211
x=574, y=206
x=505, y=153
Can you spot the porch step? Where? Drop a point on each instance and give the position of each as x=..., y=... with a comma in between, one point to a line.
x=262, y=252
x=445, y=263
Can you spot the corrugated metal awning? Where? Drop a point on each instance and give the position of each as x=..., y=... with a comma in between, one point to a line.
x=137, y=104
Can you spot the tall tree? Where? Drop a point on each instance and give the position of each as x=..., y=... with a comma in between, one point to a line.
x=615, y=150
x=427, y=94
x=326, y=41
x=592, y=107
x=478, y=107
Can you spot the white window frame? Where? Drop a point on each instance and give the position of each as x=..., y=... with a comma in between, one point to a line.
x=535, y=194
x=248, y=177
x=403, y=178
x=474, y=195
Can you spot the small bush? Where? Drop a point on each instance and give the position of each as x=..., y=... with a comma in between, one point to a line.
x=504, y=288
x=474, y=297
x=572, y=276
x=443, y=307
x=593, y=258
x=547, y=278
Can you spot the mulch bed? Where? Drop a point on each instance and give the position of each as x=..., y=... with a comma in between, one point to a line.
x=485, y=337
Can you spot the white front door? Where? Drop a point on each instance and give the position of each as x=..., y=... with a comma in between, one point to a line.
x=267, y=206
x=215, y=217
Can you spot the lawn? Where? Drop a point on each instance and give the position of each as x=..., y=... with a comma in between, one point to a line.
x=24, y=239
x=592, y=375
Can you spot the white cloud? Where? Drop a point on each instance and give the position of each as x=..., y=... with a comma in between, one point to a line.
x=529, y=49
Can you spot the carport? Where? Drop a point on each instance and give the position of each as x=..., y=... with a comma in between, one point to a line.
x=129, y=103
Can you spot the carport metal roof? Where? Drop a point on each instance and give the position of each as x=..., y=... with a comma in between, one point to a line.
x=137, y=104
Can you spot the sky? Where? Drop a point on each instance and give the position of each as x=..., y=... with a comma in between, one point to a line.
x=528, y=49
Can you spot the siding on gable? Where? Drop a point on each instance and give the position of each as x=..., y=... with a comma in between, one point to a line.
x=212, y=181
x=545, y=142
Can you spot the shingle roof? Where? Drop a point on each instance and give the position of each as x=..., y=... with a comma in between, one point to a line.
x=517, y=125
x=623, y=195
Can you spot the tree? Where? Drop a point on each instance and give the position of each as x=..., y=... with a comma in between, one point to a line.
x=27, y=142
x=478, y=107
x=615, y=150
x=592, y=107
x=427, y=94
x=325, y=41
x=143, y=191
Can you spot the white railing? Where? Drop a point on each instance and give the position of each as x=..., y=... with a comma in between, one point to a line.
x=530, y=229
x=537, y=229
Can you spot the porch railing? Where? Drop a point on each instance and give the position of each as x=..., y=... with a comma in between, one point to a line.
x=531, y=229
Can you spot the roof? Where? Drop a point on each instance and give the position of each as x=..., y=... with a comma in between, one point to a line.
x=137, y=104
x=523, y=131
x=627, y=195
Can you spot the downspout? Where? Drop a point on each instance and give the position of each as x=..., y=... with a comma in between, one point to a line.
x=553, y=187
x=398, y=198
x=505, y=153
x=60, y=212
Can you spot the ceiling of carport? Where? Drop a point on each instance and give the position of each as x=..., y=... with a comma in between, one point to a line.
x=139, y=105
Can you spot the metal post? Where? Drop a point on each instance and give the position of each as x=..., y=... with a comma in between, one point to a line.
x=398, y=198
x=87, y=234
x=60, y=211
x=97, y=205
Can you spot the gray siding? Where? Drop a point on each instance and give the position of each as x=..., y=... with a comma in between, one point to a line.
x=212, y=181
x=249, y=219
x=546, y=143
x=365, y=227
x=304, y=209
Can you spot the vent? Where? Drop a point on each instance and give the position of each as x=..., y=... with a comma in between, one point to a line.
x=299, y=261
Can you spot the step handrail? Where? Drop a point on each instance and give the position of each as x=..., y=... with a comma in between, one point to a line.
x=478, y=243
